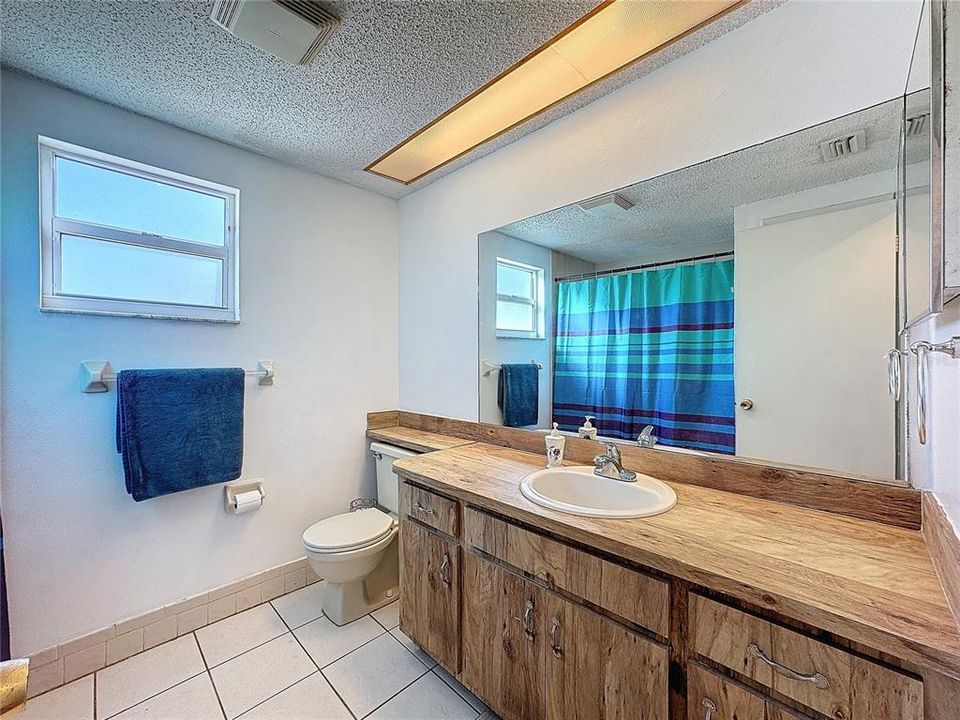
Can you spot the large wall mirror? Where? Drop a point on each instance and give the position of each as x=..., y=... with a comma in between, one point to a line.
x=745, y=306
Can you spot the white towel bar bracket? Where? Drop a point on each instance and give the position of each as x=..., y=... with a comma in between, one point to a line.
x=95, y=374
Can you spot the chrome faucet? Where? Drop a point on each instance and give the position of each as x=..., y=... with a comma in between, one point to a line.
x=647, y=439
x=611, y=457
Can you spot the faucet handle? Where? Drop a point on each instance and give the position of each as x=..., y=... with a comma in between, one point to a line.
x=612, y=452
x=647, y=438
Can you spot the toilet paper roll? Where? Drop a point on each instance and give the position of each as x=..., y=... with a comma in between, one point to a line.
x=247, y=501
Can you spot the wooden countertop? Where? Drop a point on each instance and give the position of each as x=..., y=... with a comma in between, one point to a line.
x=864, y=581
x=412, y=439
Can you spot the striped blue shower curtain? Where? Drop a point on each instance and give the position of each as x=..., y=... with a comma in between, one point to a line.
x=649, y=348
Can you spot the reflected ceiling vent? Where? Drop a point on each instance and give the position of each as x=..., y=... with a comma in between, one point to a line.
x=606, y=205
x=918, y=124
x=293, y=30
x=841, y=147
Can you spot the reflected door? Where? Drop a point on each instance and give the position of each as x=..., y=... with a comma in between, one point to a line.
x=815, y=314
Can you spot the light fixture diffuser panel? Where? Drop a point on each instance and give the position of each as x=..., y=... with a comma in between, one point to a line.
x=612, y=36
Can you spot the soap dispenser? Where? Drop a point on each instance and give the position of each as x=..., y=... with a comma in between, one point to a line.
x=555, y=442
x=587, y=430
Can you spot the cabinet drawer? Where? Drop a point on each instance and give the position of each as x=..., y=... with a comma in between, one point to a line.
x=632, y=595
x=438, y=512
x=832, y=681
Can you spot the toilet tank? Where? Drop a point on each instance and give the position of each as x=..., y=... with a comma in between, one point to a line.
x=387, y=482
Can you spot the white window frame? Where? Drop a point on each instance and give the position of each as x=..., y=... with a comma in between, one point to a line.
x=53, y=227
x=535, y=302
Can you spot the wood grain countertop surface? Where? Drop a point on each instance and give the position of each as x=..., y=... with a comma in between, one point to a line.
x=413, y=439
x=864, y=581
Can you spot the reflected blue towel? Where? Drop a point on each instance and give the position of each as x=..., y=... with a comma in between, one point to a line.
x=179, y=429
x=518, y=394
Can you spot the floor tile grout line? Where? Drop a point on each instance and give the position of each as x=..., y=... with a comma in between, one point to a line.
x=405, y=687
x=258, y=645
x=216, y=693
x=268, y=699
x=429, y=667
x=445, y=682
x=296, y=627
x=249, y=650
x=156, y=694
x=319, y=669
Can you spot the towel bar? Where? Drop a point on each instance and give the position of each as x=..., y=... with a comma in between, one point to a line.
x=94, y=376
x=487, y=367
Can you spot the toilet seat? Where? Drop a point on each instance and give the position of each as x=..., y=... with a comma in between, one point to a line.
x=349, y=531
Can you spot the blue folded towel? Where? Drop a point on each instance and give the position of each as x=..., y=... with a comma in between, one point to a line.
x=179, y=429
x=518, y=394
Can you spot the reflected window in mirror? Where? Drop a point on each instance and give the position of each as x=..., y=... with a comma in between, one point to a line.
x=520, y=307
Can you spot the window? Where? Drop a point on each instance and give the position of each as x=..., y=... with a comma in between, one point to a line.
x=121, y=238
x=519, y=300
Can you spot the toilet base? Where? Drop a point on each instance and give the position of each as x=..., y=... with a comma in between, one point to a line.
x=349, y=601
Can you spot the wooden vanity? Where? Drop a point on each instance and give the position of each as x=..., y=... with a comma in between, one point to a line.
x=724, y=607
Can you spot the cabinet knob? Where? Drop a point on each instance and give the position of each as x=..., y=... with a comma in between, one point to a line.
x=746, y=404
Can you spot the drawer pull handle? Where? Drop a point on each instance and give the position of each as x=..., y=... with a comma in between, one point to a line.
x=816, y=678
x=555, y=638
x=425, y=510
x=445, y=570
x=711, y=708
x=526, y=622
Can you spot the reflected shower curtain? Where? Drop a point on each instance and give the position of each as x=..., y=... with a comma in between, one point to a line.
x=649, y=348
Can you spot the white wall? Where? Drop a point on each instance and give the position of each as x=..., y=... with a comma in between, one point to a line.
x=318, y=296
x=499, y=350
x=798, y=65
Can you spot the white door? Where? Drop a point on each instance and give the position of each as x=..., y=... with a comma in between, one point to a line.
x=815, y=314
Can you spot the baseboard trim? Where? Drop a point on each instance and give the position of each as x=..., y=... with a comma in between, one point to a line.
x=73, y=659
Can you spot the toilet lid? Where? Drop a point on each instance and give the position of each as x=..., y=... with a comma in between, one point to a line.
x=349, y=530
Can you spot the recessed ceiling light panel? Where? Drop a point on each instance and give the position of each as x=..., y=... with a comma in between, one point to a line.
x=612, y=36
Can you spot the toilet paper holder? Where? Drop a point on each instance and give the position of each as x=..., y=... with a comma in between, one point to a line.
x=231, y=490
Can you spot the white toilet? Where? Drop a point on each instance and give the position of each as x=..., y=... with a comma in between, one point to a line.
x=356, y=553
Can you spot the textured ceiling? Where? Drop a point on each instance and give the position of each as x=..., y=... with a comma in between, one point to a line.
x=391, y=67
x=693, y=207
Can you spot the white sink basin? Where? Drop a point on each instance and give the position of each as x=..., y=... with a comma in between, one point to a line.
x=576, y=490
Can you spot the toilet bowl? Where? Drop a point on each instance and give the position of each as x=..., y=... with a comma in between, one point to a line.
x=357, y=553
x=345, y=550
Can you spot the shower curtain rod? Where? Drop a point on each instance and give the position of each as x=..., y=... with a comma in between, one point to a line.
x=646, y=266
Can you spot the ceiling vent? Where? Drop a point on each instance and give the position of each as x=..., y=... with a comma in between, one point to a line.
x=294, y=30
x=606, y=205
x=843, y=146
x=918, y=124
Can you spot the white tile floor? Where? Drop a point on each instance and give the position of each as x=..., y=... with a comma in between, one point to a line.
x=282, y=660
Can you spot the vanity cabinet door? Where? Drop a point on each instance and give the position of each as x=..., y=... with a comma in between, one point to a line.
x=430, y=594
x=596, y=668
x=713, y=697
x=503, y=639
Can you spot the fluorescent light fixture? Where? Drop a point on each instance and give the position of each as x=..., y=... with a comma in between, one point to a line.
x=613, y=35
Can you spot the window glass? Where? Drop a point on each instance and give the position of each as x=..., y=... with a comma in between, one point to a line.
x=116, y=199
x=99, y=268
x=515, y=316
x=512, y=280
